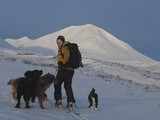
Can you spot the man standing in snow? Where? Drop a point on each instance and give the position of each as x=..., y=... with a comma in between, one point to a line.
x=64, y=75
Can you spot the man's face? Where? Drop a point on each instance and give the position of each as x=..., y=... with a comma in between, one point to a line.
x=59, y=43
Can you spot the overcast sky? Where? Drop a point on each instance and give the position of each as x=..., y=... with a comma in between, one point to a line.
x=136, y=22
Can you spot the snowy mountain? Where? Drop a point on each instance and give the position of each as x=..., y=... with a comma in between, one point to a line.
x=93, y=42
x=4, y=44
x=19, y=42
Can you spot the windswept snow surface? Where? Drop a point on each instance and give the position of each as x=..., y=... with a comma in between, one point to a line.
x=125, y=92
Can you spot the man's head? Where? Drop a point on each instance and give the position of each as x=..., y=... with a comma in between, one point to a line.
x=60, y=41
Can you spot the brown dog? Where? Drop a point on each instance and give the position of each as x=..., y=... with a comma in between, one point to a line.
x=44, y=83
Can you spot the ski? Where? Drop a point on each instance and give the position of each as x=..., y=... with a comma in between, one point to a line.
x=77, y=115
x=72, y=111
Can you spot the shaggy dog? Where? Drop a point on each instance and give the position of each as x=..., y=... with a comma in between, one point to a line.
x=25, y=86
x=13, y=83
x=40, y=85
x=93, y=100
x=33, y=77
x=44, y=83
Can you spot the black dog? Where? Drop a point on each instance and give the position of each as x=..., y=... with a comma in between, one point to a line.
x=26, y=86
x=93, y=100
x=34, y=78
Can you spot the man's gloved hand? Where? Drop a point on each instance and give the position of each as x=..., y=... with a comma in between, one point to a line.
x=60, y=64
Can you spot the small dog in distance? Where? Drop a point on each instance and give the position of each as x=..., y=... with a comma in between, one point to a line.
x=93, y=99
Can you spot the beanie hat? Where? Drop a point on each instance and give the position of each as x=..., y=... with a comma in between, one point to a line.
x=61, y=38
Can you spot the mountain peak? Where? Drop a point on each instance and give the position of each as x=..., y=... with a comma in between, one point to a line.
x=19, y=42
x=93, y=42
x=89, y=26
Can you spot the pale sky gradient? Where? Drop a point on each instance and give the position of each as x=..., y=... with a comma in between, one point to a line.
x=136, y=22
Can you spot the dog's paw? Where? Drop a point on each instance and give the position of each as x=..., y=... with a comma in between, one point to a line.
x=17, y=106
x=27, y=107
x=33, y=100
x=42, y=107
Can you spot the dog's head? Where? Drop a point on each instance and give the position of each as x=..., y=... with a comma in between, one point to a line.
x=10, y=82
x=47, y=79
x=92, y=93
x=93, y=90
x=33, y=74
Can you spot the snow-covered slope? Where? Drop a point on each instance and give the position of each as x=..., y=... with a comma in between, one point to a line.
x=125, y=92
x=4, y=44
x=93, y=42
